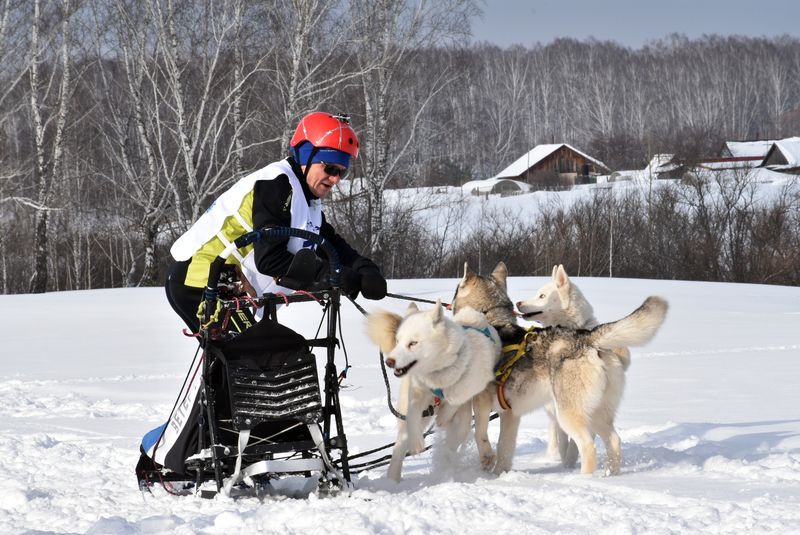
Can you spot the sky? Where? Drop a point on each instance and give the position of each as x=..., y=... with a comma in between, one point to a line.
x=632, y=23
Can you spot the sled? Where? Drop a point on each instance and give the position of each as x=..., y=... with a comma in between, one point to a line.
x=251, y=410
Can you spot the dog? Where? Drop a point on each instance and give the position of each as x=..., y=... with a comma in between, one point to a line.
x=576, y=370
x=452, y=360
x=561, y=303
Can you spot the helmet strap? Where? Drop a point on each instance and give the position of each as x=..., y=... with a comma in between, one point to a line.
x=307, y=164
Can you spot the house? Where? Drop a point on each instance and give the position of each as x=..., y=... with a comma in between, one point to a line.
x=664, y=166
x=738, y=155
x=553, y=166
x=660, y=167
x=781, y=155
x=784, y=156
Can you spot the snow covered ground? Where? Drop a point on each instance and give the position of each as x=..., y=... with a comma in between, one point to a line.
x=710, y=425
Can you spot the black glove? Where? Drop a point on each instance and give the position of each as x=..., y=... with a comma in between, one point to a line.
x=350, y=282
x=349, y=279
x=303, y=273
x=373, y=285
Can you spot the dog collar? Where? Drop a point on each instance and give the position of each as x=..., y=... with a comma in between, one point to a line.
x=438, y=392
x=486, y=331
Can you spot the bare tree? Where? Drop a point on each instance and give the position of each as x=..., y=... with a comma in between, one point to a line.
x=313, y=64
x=389, y=31
x=195, y=91
x=48, y=129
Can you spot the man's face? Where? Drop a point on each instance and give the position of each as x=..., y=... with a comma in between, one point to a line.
x=320, y=179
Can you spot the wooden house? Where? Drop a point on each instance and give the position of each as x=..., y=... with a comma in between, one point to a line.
x=554, y=166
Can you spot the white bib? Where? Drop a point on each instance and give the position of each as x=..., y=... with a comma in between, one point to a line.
x=306, y=216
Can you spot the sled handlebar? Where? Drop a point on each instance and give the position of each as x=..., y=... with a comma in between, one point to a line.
x=244, y=240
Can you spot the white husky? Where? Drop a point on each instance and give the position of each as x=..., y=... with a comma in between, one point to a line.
x=561, y=302
x=450, y=359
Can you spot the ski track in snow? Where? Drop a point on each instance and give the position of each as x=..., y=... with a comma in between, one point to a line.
x=69, y=445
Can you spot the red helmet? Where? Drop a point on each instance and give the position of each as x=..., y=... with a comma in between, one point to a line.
x=326, y=130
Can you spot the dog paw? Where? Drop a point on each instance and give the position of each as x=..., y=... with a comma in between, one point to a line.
x=611, y=471
x=501, y=468
x=569, y=464
x=488, y=460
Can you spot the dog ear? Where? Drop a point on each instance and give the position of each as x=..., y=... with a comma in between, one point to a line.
x=562, y=283
x=411, y=309
x=382, y=329
x=500, y=273
x=555, y=271
x=468, y=275
x=437, y=314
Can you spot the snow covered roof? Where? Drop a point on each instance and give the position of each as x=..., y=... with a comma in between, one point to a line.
x=745, y=149
x=790, y=149
x=661, y=163
x=494, y=185
x=537, y=154
x=740, y=162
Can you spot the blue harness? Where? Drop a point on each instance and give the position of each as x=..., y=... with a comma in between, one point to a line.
x=486, y=331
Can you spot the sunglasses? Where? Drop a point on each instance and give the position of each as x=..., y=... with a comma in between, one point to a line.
x=332, y=170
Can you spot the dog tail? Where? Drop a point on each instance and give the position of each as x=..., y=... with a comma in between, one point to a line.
x=635, y=329
x=382, y=329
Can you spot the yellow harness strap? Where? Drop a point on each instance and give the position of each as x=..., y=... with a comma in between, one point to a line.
x=504, y=371
x=201, y=314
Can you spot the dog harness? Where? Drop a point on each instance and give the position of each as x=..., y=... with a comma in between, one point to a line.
x=486, y=331
x=438, y=393
x=503, y=372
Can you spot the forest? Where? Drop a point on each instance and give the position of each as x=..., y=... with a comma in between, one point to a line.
x=122, y=120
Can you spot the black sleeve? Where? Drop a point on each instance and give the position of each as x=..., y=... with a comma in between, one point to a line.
x=272, y=207
x=347, y=255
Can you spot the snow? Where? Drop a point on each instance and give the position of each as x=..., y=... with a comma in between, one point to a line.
x=744, y=149
x=709, y=424
x=790, y=148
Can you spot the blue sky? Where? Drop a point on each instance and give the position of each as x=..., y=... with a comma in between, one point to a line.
x=632, y=23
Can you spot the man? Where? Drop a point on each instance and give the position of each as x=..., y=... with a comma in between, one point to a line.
x=287, y=193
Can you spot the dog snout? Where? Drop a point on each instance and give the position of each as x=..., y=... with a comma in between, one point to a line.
x=390, y=362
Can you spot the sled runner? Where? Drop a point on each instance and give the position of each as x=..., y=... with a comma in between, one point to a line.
x=250, y=409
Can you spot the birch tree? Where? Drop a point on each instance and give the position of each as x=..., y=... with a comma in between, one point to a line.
x=13, y=67
x=197, y=93
x=48, y=128
x=312, y=62
x=388, y=33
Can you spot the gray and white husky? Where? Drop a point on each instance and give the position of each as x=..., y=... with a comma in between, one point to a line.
x=436, y=356
x=576, y=370
x=561, y=303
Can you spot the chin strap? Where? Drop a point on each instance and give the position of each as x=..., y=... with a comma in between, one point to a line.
x=305, y=166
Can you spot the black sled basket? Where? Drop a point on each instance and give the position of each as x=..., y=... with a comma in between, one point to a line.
x=281, y=383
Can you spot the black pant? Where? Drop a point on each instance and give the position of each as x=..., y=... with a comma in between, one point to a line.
x=183, y=299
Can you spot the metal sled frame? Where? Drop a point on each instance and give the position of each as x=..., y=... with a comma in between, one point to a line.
x=325, y=427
